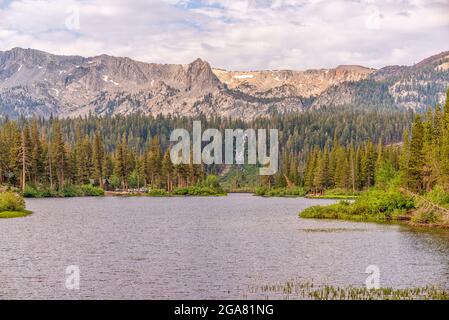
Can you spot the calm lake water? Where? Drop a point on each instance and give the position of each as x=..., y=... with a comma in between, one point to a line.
x=203, y=248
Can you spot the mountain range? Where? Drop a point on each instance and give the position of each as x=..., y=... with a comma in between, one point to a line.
x=37, y=83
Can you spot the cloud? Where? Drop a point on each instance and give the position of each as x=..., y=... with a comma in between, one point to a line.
x=238, y=34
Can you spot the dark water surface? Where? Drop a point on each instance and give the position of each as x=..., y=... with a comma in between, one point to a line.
x=203, y=248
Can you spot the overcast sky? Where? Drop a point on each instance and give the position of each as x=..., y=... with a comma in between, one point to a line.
x=233, y=34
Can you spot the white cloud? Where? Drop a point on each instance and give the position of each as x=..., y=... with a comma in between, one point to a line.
x=238, y=34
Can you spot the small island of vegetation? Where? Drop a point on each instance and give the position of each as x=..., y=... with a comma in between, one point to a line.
x=209, y=187
x=12, y=205
x=280, y=192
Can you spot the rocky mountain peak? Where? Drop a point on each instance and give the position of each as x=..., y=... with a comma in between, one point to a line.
x=201, y=77
x=36, y=83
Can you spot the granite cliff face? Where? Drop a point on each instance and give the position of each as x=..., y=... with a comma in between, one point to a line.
x=287, y=83
x=36, y=83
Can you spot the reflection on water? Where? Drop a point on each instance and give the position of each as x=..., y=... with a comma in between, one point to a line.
x=211, y=248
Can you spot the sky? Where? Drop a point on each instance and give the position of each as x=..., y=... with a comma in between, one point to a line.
x=233, y=34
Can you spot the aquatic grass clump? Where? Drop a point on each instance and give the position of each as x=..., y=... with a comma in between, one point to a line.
x=438, y=196
x=307, y=290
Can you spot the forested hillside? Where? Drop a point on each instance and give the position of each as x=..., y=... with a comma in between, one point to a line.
x=132, y=151
x=421, y=162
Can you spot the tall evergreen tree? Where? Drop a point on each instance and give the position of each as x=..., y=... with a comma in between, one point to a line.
x=98, y=158
x=58, y=153
x=416, y=161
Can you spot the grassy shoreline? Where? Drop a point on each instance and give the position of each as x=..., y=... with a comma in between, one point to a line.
x=299, y=192
x=12, y=205
x=14, y=214
x=193, y=191
x=381, y=206
x=333, y=197
x=149, y=195
x=69, y=191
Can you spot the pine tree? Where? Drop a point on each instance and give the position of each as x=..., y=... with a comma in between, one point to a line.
x=368, y=166
x=444, y=146
x=319, y=177
x=122, y=165
x=37, y=160
x=326, y=180
x=429, y=174
x=58, y=156
x=24, y=156
x=98, y=158
x=84, y=161
x=341, y=170
x=14, y=139
x=405, y=159
x=416, y=161
x=309, y=174
x=153, y=163
x=352, y=167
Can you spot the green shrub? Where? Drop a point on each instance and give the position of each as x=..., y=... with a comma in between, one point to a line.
x=386, y=176
x=10, y=201
x=91, y=191
x=379, y=201
x=157, y=193
x=70, y=191
x=114, y=182
x=212, y=182
x=261, y=191
x=42, y=192
x=45, y=192
x=31, y=192
x=438, y=196
x=67, y=191
x=181, y=191
x=197, y=191
x=203, y=191
x=280, y=192
x=373, y=205
x=296, y=191
x=333, y=211
x=340, y=192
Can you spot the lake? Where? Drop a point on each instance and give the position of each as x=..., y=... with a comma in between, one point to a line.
x=203, y=248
